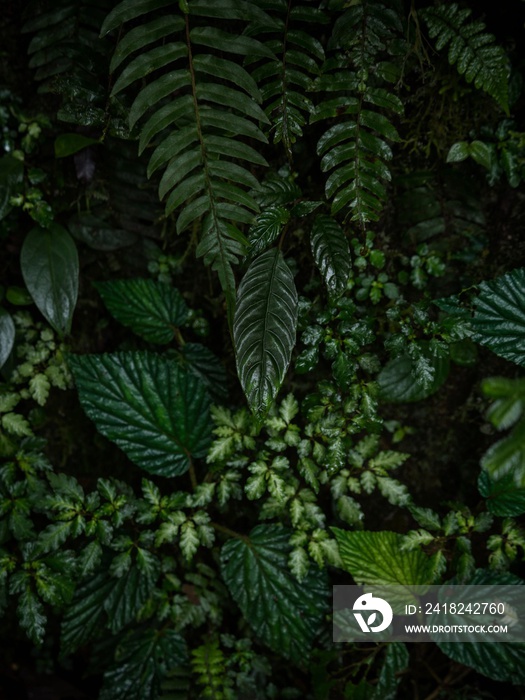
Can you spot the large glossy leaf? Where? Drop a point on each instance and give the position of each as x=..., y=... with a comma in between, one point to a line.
x=377, y=558
x=151, y=309
x=331, y=253
x=499, y=316
x=504, y=496
x=264, y=328
x=127, y=595
x=143, y=658
x=149, y=406
x=285, y=615
x=7, y=336
x=86, y=614
x=501, y=661
x=49, y=262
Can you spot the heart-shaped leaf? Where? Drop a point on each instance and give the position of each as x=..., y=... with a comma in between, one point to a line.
x=264, y=328
x=377, y=558
x=151, y=309
x=285, y=614
x=149, y=406
x=499, y=316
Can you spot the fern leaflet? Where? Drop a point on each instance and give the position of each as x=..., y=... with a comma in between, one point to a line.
x=355, y=149
x=201, y=108
x=68, y=56
x=472, y=50
x=294, y=61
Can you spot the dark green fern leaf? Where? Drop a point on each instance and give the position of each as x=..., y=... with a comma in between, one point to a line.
x=295, y=60
x=331, y=253
x=472, y=50
x=68, y=56
x=355, y=149
x=201, y=109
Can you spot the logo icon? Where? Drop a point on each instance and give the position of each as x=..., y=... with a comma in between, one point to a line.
x=368, y=602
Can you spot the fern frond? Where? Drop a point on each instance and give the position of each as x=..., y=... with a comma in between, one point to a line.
x=472, y=50
x=295, y=57
x=209, y=665
x=355, y=149
x=68, y=56
x=201, y=109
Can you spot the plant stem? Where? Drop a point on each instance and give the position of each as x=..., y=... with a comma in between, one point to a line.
x=229, y=532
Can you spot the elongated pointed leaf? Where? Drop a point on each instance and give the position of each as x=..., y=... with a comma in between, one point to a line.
x=395, y=661
x=264, y=328
x=507, y=456
x=151, y=309
x=148, y=62
x=331, y=253
x=49, y=262
x=140, y=37
x=152, y=409
x=7, y=336
x=285, y=615
x=130, y=9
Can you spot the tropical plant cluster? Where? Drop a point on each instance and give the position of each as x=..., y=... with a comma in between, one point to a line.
x=262, y=324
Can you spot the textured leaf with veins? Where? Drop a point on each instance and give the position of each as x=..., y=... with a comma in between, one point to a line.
x=264, y=328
